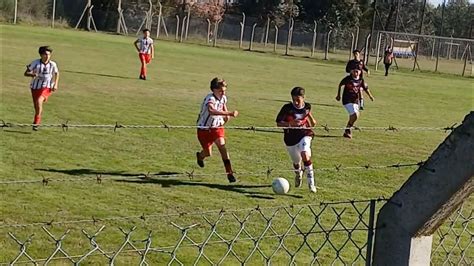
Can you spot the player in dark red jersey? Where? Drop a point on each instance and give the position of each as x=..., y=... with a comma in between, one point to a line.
x=353, y=86
x=357, y=63
x=297, y=114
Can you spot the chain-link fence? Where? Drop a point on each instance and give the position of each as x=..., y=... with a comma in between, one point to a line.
x=322, y=234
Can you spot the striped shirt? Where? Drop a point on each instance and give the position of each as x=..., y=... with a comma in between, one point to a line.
x=205, y=119
x=145, y=45
x=45, y=74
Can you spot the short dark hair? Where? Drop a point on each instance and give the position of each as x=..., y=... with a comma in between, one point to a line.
x=217, y=83
x=356, y=51
x=145, y=30
x=44, y=49
x=297, y=91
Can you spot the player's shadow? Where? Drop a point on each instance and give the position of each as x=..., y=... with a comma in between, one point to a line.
x=97, y=74
x=87, y=171
x=312, y=103
x=17, y=132
x=236, y=188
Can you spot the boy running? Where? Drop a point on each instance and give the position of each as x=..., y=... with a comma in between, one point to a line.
x=356, y=63
x=210, y=122
x=45, y=77
x=353, y=87
x=146, y=51
x=297, y=114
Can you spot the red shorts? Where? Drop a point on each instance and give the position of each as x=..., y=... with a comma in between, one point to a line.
x=145, y=57
x=36, y=93
x=207, y=136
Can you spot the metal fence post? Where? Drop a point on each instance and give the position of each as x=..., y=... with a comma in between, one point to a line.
x=242, y=28
x=54, y=13
x=251, y=36
x=315, y=35
x=276, y=39
x=370, y=233
x=16, y=12
x=177, y=28
x=327, y=45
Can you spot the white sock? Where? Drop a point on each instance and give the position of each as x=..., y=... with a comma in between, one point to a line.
x=298, y=171
x=310, y=174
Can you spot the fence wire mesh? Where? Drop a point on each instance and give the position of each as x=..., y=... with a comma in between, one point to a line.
x=453, y=241
x=336, y=233
x=322, y=234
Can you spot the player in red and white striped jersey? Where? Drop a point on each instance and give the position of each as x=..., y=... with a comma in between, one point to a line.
x=45, y=77
x=214, y=114
x=146, y=51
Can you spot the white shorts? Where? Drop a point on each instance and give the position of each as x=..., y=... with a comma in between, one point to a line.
x=303, y=146
x=352, y=108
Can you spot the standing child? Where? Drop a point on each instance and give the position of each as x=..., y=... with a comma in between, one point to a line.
x=146, y=51
x=297, y=114
x=357, y=63
x=45, y=78
x=353, y=86
x=211, y=120
x=387, y=59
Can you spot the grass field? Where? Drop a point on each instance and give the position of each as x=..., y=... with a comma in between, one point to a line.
x=99, y=85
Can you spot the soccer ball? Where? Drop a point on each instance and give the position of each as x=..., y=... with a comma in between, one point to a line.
x=280, y=185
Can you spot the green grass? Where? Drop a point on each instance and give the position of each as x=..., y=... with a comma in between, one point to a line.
x=99, y=85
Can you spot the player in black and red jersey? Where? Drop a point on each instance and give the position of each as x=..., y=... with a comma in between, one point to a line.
x=357, y=63
x=353, y=86
x=297, y=114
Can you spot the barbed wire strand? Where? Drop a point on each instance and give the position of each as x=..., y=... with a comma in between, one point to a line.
x=65, y=126
x=145, y=217
x=191, y=174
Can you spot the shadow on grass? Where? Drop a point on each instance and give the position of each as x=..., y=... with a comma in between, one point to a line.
x=16, y=132
x=87, y=171
x=237, y=188
x=317, y=104
x=98, y=74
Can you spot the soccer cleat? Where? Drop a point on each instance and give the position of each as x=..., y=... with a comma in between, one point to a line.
x=347, y=134
x=298, y=179
x=312, y=188
x=231, y=178
x=199, y=161
x=35, y=128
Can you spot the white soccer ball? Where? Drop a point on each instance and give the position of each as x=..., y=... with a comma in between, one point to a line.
x=280, y=185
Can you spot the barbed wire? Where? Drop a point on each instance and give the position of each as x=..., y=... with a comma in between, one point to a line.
x=268, y=172
x=65, y=126
x=151, y=216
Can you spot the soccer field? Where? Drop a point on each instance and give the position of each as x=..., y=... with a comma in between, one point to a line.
x=99, y=85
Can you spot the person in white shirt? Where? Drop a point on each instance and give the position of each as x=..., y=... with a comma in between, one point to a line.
x=214, y=114
x=45, y=77
x=146, y=51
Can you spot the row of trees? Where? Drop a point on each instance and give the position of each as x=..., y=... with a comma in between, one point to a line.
x=395, y=15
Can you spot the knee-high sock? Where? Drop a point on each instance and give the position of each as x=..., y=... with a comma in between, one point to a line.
x=228, y=166
x=308, y=165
